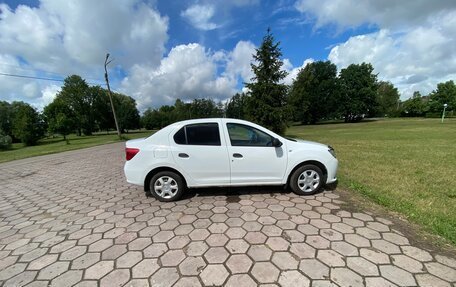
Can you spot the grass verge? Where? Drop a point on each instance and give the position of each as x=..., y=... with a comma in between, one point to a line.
x=406, y=165
x=58, y=144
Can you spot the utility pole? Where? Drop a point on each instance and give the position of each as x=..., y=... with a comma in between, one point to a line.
x=110, y=94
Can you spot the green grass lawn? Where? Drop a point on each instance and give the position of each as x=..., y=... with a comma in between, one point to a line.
x=407, y=165
x=55, y=145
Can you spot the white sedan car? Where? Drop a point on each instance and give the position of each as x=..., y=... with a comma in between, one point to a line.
x=225, y=152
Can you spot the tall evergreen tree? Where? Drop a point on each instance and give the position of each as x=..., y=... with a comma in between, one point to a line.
x=267, y=102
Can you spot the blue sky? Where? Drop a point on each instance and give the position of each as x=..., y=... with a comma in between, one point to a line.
x=164, y=50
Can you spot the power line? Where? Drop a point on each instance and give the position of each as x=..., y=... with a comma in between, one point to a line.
x=40, y=78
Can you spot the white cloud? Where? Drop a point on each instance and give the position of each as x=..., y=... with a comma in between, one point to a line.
x=188, y=72
x=239, y=61
x=416, y=60
x=73, y=37
x=413, y=47
x=199, y=16
x=386, y=14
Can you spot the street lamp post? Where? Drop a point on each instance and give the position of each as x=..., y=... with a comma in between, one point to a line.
x=444, y=108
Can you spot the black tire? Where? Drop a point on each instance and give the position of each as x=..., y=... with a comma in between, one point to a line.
x=310, y=178
x=173, y=186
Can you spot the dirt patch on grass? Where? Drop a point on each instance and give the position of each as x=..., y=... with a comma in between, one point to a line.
x=415, y=233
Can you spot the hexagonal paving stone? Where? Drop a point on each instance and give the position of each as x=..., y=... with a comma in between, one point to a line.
x=240, y=280
x=277, y=243
x=397, y=275
x=417, y=253
x=428, y=280
x=317, y=242
x=192, y=266
x=260, y=252
x=265, y=272
x=368, y=233
x=216, y=255
x=217, y=240
x=407, y=263
x=450, y=262
x=145, y=268
x=344, y=248
x=293, y=278
x=237, y=246
x=385, y=246
x=395, y=238
x=441, y=271
x=362, y=266
x=302, y=250
x=284, y=260
x=331, y=258
x=346, y=277
x=113, y=252
x=53, y=270
x=85, y=261
x=214, y=274
x=374, y=256
x=21, y=279
x=178, y=242
x=255, y=237
x=357, y=240
x=164, y=277
x=187, y=282
x=99, y=270
x=239, y=263
x=314, y=269
x=199, y=234
x=129, y=259
x=69, y=278
x=196, y=248
x=378, y=282
x=155, y=250
x=11, y=271
x=42, y=262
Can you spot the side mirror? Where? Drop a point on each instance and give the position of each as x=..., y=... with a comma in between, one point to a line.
x=276, y=142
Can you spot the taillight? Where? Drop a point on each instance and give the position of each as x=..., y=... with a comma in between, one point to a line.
x=130, y=152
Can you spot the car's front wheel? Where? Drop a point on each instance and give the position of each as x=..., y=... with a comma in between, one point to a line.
x=307, y=180
x=167, y=186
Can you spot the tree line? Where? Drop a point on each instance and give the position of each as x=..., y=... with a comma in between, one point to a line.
x=318, y=93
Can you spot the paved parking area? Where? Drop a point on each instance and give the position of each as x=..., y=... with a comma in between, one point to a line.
x=70, y=219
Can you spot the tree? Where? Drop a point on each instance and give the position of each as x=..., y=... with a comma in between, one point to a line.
x=60, y=118
x=27, y=126
x=358, y=91
x=5, y=118
x=444, y=94
x=314, y=91
x=267, y=96
x=387, y=99
x=76, y=95
x=235, y=107
x=416, y=106
x=127, y=114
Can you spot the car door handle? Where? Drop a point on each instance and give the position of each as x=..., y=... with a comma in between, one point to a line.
x=238, y=155
x=184, y=155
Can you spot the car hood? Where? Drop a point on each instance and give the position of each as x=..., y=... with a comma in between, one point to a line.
x=311, y=143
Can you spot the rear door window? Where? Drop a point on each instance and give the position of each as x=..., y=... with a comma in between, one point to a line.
x=199, y=134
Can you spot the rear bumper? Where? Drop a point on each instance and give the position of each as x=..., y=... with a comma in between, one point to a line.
x=134, y=176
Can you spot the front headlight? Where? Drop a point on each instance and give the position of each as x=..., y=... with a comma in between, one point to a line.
x=331, y=151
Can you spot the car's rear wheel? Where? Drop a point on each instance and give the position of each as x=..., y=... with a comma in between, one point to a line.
x=167, y=186
x=307, y=179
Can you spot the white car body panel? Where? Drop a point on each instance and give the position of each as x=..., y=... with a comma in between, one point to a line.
x=216, y=166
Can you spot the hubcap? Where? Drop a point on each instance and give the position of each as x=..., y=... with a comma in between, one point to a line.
x=166, y=187
x=309, y=180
